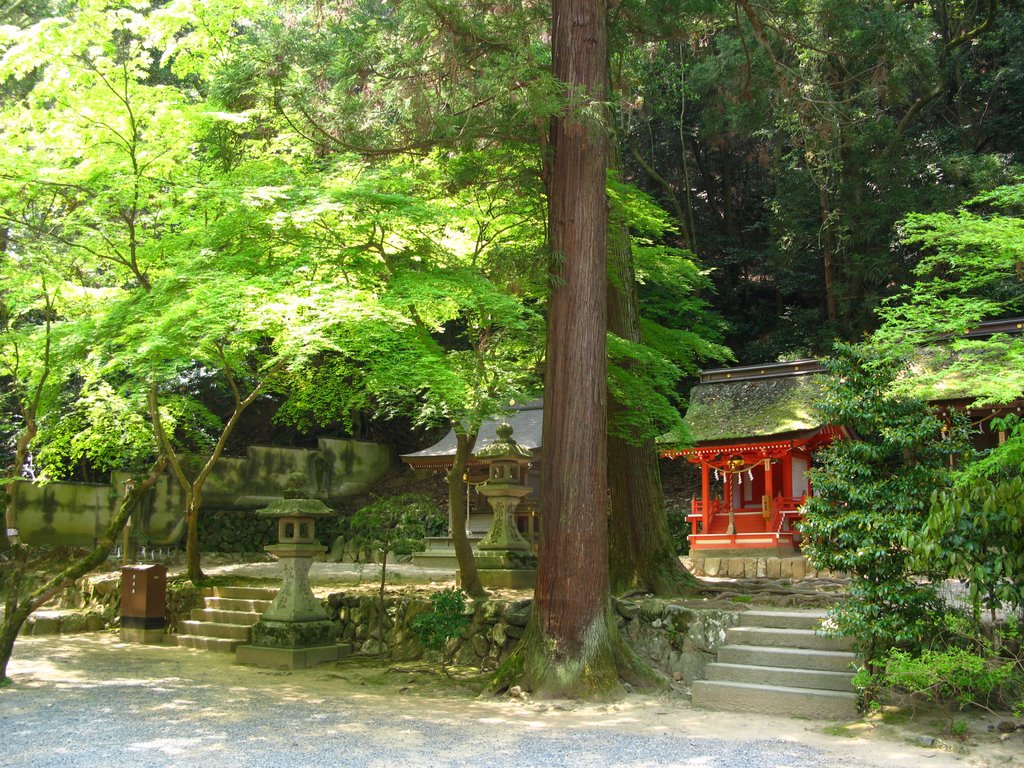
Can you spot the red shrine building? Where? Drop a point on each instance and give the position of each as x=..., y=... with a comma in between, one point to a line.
x=755, y=433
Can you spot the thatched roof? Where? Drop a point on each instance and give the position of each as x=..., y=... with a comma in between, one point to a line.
x=986, y=373
x=758, y=401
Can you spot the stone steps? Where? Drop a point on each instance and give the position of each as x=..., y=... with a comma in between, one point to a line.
x=777, y=662
x=780, y=676
x=785, y=637
x=787, y=658
x=783, y=619
x=236, y=604
x=215, y=629
x=204, y=643
x=226, y=618
x=775, y=700
x=213, y=615
x=241, y=593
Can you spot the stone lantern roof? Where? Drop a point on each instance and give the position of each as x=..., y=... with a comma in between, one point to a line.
x=504, y=448
x=296, y=503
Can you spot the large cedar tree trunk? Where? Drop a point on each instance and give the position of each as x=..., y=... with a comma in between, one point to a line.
x=571, y=647
x=470, y=579
x=641, y=554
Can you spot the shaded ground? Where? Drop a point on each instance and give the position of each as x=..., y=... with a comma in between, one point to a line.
x=88, y=700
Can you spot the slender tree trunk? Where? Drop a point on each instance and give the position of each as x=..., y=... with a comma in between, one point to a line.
x=641, y=554
x=470, y=579
x=828, y=255
x=193, y=555
x=732, y=227
x=381, y=611
x=571, y=647
x=10, y=512
x=194, y=489
x=19, y=609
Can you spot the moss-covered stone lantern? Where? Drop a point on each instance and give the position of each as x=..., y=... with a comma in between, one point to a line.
x=503, y=556
x=294, y=631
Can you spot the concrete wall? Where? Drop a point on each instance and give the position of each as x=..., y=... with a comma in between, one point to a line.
x=63, y=513
x=76, y=514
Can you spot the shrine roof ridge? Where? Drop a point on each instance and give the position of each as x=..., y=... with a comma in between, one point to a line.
x=762, y=371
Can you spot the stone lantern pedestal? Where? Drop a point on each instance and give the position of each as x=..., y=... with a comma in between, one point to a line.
x=294, y=631
x=503, y=556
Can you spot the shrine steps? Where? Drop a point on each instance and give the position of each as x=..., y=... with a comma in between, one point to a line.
x=226, y=618
x=778, y=662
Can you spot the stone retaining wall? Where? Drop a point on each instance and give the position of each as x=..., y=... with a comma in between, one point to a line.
x=76, y=514
x=677, y=640
x=794, y=568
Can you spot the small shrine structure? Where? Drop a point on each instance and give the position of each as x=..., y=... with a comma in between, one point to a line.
x=755, y=431
x=526, y=421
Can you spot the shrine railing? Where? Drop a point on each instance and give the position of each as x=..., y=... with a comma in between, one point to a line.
x=703, y=513
x=776, y=511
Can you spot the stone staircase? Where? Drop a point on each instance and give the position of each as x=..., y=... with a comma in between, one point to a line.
x=775, y=662
x=226, y=618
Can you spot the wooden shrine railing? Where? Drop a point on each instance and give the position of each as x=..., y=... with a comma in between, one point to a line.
x=776, y=512
x=703, y=514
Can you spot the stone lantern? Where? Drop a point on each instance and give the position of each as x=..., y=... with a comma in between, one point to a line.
x=294, y=631
x=503, y=556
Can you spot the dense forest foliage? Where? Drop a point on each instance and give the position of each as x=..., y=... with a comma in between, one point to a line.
x=375, y=174
x=238, y=220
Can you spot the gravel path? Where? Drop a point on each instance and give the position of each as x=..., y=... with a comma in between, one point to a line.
x=123, y=724
x=88, y=700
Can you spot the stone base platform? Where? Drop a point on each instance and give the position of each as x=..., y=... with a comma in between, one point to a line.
x=291, y=658
x=440, y=552
x=436, y=558
x=142, y=636
x=506, y=578
x=749, y=566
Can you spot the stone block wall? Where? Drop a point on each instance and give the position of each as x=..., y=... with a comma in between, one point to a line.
x=794, y=568
x=676, y=640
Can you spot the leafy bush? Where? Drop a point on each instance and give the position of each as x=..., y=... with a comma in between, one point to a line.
x=963, y=667
x=955, y=675
x=445, y=619
x=871, y=494
x=395, y=523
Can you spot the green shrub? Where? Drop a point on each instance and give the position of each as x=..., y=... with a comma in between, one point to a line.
x=954, y=675
x=871, y=494
x=445, y=619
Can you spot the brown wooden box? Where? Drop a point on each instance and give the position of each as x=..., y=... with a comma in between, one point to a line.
x=144, y=596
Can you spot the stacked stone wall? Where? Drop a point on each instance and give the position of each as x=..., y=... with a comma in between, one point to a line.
x=676, y=640
x=77, y=514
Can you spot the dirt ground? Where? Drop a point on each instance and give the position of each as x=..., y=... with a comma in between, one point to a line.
x=423, y=692
x=887, y=739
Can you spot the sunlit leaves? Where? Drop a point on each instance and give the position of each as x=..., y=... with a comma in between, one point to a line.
x=872, y=492
x=969, y=268
x=974, y=533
